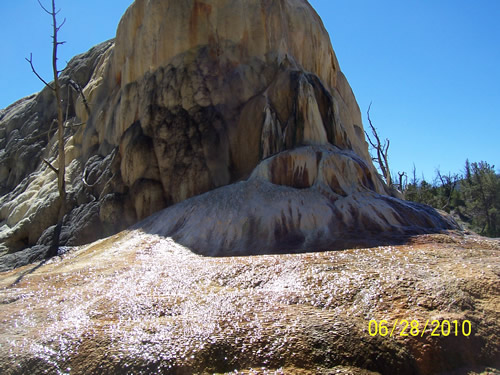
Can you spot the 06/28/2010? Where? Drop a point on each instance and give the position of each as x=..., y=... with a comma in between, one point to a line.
x=412, y=328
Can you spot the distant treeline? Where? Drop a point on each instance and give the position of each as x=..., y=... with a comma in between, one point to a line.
x=473, y=196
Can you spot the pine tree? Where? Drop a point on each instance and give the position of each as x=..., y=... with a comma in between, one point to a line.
x=482, y=198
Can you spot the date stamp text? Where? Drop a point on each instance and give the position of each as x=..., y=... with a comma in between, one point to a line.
x=404, y=327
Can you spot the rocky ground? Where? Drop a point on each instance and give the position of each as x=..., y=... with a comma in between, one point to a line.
x=139, y=303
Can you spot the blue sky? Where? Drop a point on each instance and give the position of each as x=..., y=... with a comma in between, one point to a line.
x=431, y=68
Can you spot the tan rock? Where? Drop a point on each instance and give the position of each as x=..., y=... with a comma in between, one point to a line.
x=148, y=197
x=138, y=159
x=266, y=31
x=172, y=57
x=314, y=132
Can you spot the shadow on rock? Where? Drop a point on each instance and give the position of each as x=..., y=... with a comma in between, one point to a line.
x=312, y=198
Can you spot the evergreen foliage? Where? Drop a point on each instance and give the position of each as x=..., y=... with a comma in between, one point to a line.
x=472, y=197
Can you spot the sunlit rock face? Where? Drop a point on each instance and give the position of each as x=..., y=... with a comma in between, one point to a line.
x=197, y=93
x=138, y=303
x=193, y=96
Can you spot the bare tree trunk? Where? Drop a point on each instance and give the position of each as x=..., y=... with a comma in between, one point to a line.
x=61, y=184
x=401, y=176
x=61, y=170
x=448, y=183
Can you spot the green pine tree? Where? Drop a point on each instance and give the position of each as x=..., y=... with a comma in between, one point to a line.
x=481, y=192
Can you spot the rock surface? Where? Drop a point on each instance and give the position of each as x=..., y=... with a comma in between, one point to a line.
x=192, y=96
x=141, y=303
x=28, y=202
x=310, y=198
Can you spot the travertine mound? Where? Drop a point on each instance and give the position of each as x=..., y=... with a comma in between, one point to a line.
x=190, y=97
x=295, y=201
x=205, y=90
x=142, y=304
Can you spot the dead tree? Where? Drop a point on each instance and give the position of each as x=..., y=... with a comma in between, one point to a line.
x=401, y=184
x=448, y=183
x=381, y=150
x=79, y=90
x=56, y=88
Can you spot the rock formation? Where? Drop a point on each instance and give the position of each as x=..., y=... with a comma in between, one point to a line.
x=241, y=101
x=213, y=127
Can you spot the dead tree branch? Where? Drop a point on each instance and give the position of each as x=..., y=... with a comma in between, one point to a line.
x=67, y=106
x=35, y=137
x=45, y=9
x=50, y=129
x=30, y=61
x=79, y=90
x=74, y=125
x=51, y=166
x=382, y=150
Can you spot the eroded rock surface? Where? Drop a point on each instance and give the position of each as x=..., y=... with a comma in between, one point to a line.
x=310, y=198
x=192, y=96
x=28, y=188
x=141, y=303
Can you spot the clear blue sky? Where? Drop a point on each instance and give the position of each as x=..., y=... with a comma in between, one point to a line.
x=431, y=68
